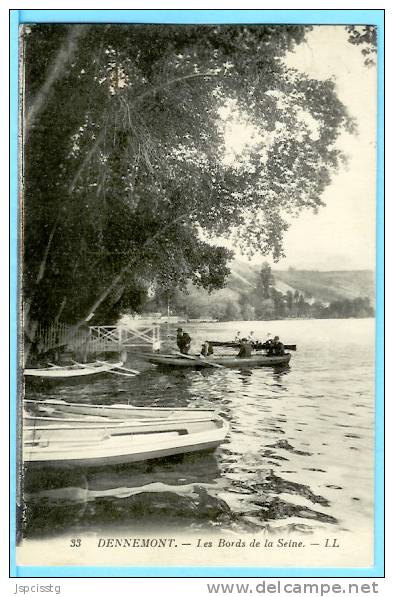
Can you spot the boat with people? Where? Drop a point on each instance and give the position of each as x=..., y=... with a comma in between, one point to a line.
x=114, y=438
x=198, y=361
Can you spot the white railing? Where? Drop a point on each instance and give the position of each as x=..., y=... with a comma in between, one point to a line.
x=118, y=337
x=96, y=338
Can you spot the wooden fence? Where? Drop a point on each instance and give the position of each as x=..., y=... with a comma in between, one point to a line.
x=60, y=335
x=96, y=338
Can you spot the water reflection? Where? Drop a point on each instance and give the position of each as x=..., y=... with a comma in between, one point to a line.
x=172, y=488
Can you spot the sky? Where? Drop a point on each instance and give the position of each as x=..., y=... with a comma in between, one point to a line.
x=341, y=236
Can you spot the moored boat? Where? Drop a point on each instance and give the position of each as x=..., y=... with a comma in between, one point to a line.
x=71, y=371
x=256, y=360
x=119, y=443
x=44, y=428
x=60, y=409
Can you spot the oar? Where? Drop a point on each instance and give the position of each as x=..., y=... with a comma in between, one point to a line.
x=210, y=363
x=120, y=373
x=135, y=371
x=199, y=359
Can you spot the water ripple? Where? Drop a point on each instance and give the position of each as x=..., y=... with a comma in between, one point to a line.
x=300, y=446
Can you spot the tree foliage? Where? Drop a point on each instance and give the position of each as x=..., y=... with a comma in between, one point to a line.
x=365, y=36
x=125, y=158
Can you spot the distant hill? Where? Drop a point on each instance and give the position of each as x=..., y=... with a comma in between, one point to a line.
x=322, y=286
x=329, y=286
x=293, y=293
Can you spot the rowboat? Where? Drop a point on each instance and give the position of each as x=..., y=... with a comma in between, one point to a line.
x=60, y=409
x=53, y=428
x=55, y=372
x=119, y=441
x=256, y=360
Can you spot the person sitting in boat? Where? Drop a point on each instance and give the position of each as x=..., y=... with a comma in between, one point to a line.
x=276, y=349
x=246, y=349
x=237, y=337
x=206, y=349
x=185, y=342
x=252, y=339
x=268, y=342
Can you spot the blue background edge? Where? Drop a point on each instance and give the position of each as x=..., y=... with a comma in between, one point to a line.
x=373, y=17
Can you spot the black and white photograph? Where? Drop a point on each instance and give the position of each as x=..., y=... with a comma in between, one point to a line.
x=197, y=249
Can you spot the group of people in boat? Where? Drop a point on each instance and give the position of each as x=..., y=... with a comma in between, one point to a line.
x=272, y=345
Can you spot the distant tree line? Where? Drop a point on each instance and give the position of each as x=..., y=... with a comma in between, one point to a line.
x=270, y=303
x=262, y=302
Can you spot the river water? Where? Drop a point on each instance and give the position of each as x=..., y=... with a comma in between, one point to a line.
x=299, y=456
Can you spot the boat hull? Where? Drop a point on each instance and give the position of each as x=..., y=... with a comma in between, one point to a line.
x=128, y=449
x=119, y=459
x=59, y=434
x=224, y=361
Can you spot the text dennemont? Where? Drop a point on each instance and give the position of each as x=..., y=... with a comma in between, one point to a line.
x=137, y=542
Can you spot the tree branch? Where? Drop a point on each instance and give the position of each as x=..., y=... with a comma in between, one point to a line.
x=56, y=71
x=170, y=82
x=43, y=263
x=151, y=91
x=123, y=271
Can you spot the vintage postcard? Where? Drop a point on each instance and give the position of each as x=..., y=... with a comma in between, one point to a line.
x=197, y=309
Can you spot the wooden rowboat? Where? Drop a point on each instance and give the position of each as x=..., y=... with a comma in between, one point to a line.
x=70, y=371
x=60, y=409
x=70, y=431
x=256, y=360
x=53, y=428
x=119, y=443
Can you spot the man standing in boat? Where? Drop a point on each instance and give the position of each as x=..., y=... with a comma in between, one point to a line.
x=183, y=341
x=179, y=334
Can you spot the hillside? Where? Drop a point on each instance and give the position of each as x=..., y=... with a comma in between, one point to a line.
x=291, y=293
x=322, y=286
x=329, y=286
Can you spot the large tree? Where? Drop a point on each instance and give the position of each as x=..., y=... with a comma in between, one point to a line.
x=126, y=165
